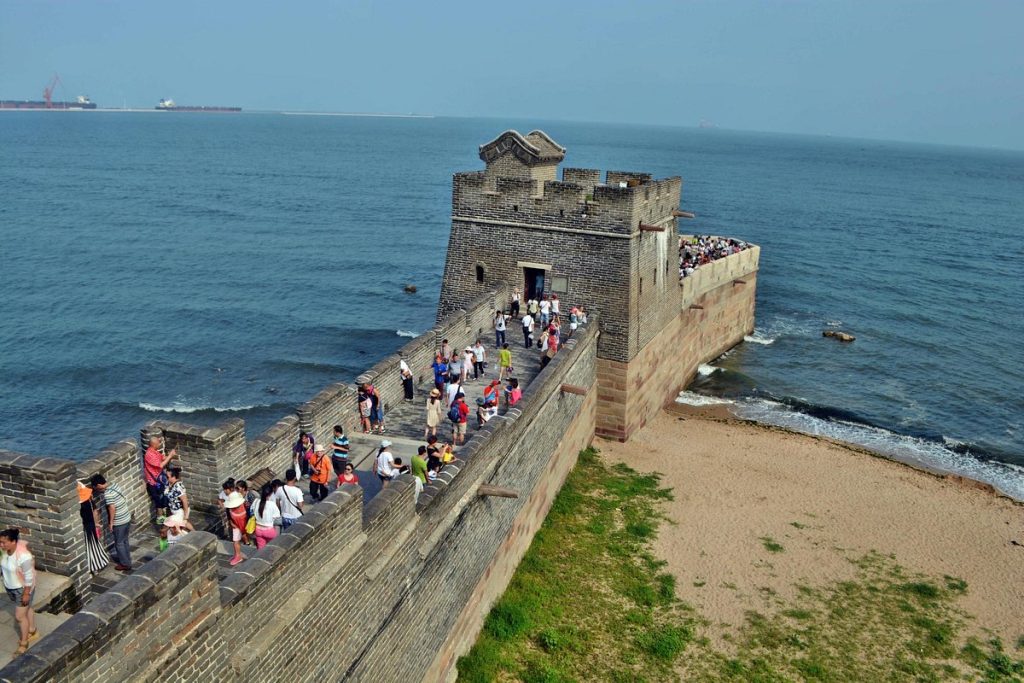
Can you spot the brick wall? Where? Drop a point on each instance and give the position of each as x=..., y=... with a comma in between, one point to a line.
x=38, y=495
x=715, y=313
x=356, y=582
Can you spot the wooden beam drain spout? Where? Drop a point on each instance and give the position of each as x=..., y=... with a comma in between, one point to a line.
x=574, y=389
x=679, y=213
x=499, y=491
x=644, y=227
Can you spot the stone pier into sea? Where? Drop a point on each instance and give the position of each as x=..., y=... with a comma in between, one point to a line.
x=377, y=572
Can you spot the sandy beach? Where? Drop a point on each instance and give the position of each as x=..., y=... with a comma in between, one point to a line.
x=737, y=484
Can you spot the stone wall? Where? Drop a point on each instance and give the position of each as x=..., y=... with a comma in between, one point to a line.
x=716, y=309
x=362, y=584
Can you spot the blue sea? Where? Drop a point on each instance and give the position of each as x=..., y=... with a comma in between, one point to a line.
x=196, y=267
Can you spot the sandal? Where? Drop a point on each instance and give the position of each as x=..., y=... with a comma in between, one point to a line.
x=33, y=634
x=22, y=648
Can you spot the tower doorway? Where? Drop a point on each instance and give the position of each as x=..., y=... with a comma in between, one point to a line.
x=534, y=283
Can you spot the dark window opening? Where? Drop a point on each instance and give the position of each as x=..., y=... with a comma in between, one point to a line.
x=515, y=207
x=479, y=273
x=561, y=212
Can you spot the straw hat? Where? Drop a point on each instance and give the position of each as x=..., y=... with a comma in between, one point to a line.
x=234, y=500
x=435, y=392
x=319, y=448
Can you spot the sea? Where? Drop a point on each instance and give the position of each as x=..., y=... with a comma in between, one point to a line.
x=196, y=267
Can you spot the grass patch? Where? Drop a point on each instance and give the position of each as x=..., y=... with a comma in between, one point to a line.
x=798, y=525
x=589, y=601
x=885, y=624
x=771, y=545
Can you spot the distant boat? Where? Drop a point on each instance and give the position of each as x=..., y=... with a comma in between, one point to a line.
x=169, y=105
x=81, y=102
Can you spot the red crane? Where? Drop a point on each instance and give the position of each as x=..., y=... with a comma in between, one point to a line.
x=48, y=90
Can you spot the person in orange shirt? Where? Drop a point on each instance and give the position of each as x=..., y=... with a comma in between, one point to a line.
x=319, y=474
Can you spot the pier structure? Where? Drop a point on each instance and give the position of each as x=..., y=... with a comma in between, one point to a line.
x=379, y=572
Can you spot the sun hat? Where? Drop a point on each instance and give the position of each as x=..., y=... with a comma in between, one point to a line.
x=172, y=522
x=234, y=500
x=319, y=448
x=435, y=392
x=385, y=443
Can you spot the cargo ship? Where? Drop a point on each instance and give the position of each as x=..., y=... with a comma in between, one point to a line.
x=81, y=102
x=169, y=105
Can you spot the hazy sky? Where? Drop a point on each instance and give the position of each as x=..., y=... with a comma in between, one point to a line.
x=950, y=72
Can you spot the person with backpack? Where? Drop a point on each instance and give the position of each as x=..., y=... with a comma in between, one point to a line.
x=19, y=572
x=459, y=416
x=527, y=329
x=289, y=500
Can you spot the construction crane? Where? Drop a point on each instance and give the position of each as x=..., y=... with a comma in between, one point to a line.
x=48, y=90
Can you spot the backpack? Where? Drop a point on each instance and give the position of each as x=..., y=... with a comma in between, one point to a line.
x=454, y=414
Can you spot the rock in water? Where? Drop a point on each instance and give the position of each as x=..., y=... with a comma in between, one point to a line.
x=410, y=289
x=841, y=336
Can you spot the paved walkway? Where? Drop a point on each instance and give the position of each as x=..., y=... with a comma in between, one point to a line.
x=407, y=421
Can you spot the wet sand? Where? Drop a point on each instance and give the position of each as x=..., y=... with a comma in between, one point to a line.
x=736, y=483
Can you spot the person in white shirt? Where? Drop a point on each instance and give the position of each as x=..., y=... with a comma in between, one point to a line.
x=527, y=329
x=454, y=389
x=406, y=375
x=467, y=363
x=20, y=581
x=479, y=360
x=554, y=305
x=545, y=311
x=499, y=328
x=387, y=467
x=289, y=500
x=265, y=511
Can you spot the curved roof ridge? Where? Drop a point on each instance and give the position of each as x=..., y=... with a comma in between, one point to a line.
x=540, y=149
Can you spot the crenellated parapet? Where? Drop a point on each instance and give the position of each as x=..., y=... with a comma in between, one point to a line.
x=579, y=201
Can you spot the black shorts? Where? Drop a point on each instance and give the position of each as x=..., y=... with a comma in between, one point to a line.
x=156, y=494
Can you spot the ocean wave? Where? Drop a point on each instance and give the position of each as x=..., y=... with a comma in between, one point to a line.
x=406, y=333
x=183, y=407
x=705, y=370
x=944, y=454
x=756, y=338
x=691, y=398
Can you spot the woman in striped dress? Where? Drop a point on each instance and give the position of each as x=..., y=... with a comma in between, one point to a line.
x=93, y=550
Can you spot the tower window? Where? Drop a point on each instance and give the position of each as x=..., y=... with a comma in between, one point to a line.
x=515, y=207
x=479, y=273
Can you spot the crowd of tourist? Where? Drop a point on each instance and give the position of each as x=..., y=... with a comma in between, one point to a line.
x=256, y=516
x=700, y=250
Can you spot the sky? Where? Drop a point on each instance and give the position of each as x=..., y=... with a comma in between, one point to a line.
x=938, y=72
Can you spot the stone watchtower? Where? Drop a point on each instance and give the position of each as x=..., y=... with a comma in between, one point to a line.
x=611, y=246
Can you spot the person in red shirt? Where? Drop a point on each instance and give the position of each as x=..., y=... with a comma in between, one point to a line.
x=153, y=464
x=459, y=427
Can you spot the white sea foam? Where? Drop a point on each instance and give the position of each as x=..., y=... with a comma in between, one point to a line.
x=406, y=333
x=691, y=398
x=757, y=338
x=705, y=370
x=927, y=454
x=183, y=407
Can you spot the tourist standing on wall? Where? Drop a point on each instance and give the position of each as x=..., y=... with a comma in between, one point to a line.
x=266, y=512
x=339, y=450
x=554, y=306
x=177, y=498
x=533, y=308
x=549, y=352
x=19, y=572
x=319, y=475
x=289, y=500
x=119, y=519
x=504, y=362
x=500, y=320
x=91, y=525
x=235, y=505
x=545, y=311
x=455, y=369
x=302, y=451
x=467, y=363
x=406, y=375
x=479, y=360
x=527, y=329
x=376, y=408
x=153, y=464
x=435, y=411
x=446, y=349
x=459, y=416
x=440, y=368
x=364, y=406
x=515, y=303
